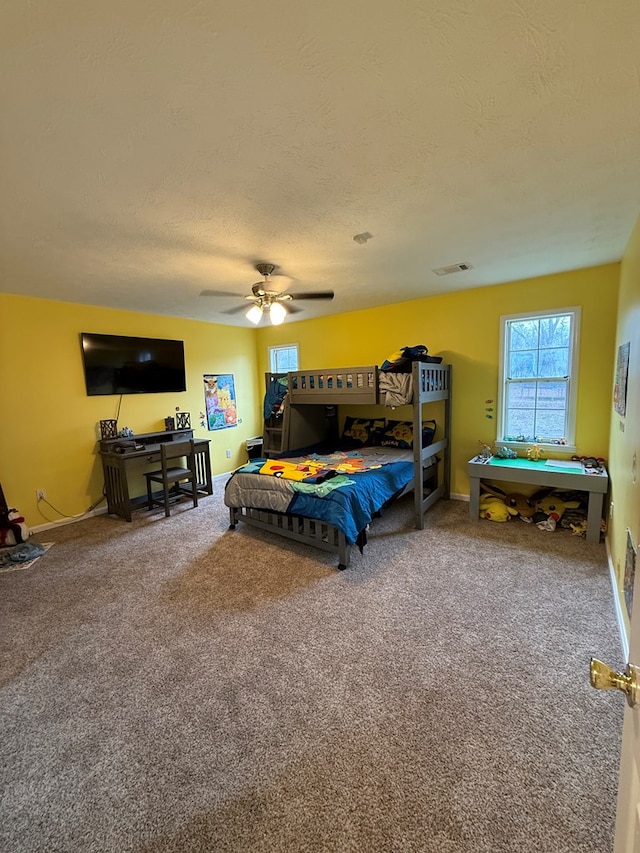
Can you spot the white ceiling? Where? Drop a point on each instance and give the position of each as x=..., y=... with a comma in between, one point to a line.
x=156, y=148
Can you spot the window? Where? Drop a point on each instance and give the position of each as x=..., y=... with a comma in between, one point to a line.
x=538, y=378
x=283, y=359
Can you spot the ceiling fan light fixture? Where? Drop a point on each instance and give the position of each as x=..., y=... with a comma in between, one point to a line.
x=263, y=300
x=254, y=314
x=277, y=313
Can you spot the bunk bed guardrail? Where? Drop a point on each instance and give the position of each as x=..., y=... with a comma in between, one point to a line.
x=357, y=385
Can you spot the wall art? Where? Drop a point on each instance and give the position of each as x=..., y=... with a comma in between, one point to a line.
x=220, y=400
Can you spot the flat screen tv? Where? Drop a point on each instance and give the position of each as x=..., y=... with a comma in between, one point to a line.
x=115, y=364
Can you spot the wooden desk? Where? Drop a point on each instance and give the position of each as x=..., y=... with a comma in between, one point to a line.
x=540, y=474
x=116, y=466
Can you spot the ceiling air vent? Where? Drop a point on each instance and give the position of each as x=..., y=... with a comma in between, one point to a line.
x=453, y=268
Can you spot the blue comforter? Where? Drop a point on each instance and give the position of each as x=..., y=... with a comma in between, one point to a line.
x=352, y=506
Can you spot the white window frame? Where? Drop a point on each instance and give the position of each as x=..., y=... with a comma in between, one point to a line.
x=572, y=380
x=273, y=356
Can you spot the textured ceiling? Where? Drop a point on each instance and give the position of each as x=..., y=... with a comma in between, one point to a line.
x=151, y=150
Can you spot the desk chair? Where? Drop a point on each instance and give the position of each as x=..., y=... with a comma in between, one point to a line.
x=172, y=477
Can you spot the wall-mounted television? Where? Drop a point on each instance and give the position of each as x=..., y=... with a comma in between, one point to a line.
x=116, y=364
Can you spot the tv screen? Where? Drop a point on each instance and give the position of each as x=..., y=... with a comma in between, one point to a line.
x=115, y=364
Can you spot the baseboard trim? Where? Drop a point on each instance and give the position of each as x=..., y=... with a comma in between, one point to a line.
x=51, y=525
x=617, y=603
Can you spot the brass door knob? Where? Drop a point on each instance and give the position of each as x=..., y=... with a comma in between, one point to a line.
x=602, y=677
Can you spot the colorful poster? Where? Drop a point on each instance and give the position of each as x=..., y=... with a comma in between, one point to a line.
x=220, y=400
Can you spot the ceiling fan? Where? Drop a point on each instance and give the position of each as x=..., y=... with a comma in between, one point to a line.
x=264, y=299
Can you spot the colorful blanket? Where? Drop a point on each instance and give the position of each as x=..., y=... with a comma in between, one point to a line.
x=316, y=468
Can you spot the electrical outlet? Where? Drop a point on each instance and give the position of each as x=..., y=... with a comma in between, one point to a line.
x=229, y=453
x=41, y=495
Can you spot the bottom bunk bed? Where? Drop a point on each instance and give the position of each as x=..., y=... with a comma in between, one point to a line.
x=329, y=500
x=324, y=500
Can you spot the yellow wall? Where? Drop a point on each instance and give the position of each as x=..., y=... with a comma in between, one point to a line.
x=464, y=327
x=624, y=451
x=49, y=432
x=49, y=427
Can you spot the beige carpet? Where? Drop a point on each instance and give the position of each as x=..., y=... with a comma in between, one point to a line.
x=169, y=685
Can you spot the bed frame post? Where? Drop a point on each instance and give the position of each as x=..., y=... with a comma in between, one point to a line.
x=430, y=384
x=447, y=425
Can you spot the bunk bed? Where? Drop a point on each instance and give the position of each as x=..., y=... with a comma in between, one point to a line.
x=307, y=412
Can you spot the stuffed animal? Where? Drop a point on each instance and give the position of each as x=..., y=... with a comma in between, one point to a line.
x=13, y=528
x=534, y=453
x=521, y=503
x=572, y=517
x=554, y=507
x=551, y=509
x=494, y=509
x=518, y=504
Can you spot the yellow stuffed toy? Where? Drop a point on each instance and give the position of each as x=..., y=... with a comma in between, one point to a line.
x=554, y=507
x=494, y=509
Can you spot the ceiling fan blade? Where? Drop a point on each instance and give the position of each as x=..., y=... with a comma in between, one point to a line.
x=293, y=309
x=219, y=293
x=317, y=294
x=235, y=310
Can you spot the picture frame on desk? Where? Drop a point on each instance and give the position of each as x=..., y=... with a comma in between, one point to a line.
x=109, y=428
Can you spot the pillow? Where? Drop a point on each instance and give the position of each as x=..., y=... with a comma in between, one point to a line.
x=400, y=434
x=358, y=432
